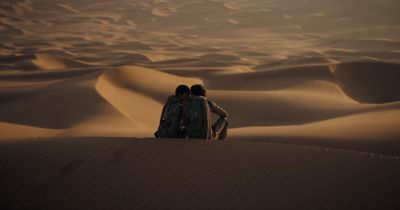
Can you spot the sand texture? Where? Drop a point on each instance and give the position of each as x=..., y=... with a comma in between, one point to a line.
x=124, y=173
x=80, y=80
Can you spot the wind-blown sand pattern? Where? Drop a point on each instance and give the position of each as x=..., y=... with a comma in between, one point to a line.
x=322, y=73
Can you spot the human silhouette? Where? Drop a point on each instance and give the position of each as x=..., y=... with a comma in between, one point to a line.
x=197, y=116
x=171, y=123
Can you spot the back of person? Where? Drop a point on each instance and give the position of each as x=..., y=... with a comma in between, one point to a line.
x=170, y=119
x=190, y=117
x=196, y=118
x=171, y=122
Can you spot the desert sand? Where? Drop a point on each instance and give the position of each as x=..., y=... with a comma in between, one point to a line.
x=311, y=88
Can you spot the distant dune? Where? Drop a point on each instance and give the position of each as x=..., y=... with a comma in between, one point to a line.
x=320, y=73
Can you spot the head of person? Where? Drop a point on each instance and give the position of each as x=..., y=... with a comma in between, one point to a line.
x=182, y=91
x=198, y=90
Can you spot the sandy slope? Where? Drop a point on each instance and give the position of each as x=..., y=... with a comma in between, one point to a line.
x=126, y=101
x=126, y=173
x=309, y=72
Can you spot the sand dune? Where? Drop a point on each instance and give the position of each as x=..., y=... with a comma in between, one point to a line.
x=59, y=105
x=371, y=131
x=77, y=77
x=68, y=8
x=132, y=91
x=12, y=131
x=88, y=68
x=258, y=87
x=120, y=173
x=371, y=82
x=47, y=62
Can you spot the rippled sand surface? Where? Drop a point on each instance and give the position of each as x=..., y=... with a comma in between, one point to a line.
x=322, y=73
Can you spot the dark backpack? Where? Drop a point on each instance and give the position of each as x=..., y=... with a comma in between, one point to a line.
x=171, y=123
x=196, y=118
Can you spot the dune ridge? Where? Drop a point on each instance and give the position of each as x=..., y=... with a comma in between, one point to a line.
x=311, y=88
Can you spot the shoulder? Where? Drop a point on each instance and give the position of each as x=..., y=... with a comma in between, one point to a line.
x=173, y=100
x=203, y=99
x=210, y=103
x=194, y=98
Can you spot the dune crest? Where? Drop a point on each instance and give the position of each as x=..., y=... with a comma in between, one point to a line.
x=131, y=91
x=68, y=8
x=311, y=88
x=13, y=131
x=156, y=84
x=47, y=62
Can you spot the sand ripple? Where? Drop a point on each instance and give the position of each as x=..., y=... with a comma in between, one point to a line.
x=83, y=74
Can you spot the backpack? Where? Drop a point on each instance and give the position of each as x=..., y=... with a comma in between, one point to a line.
x=196, y=118
x=171, y=124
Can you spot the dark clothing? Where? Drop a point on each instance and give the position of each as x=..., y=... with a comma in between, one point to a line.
x=170, y=122
x=219, y=129
x=191, y=118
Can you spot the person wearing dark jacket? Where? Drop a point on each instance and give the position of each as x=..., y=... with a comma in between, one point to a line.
x=171, y=125
x=219, y=129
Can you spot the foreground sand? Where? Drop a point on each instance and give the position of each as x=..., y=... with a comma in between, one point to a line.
x=283, y=69
x=82, y=84
x=126, y=173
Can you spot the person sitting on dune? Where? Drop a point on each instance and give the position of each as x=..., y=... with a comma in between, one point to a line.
x=171, y=124
x=197, y=116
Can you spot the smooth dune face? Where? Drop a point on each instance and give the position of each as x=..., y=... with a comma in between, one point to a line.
x=280, y=68
x=83, y=83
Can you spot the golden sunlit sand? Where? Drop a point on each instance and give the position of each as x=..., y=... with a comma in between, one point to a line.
x=311, y=88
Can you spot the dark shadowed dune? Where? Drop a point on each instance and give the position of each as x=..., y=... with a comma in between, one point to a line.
x=370, y=82
x=82, y=81
x=118, y=173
